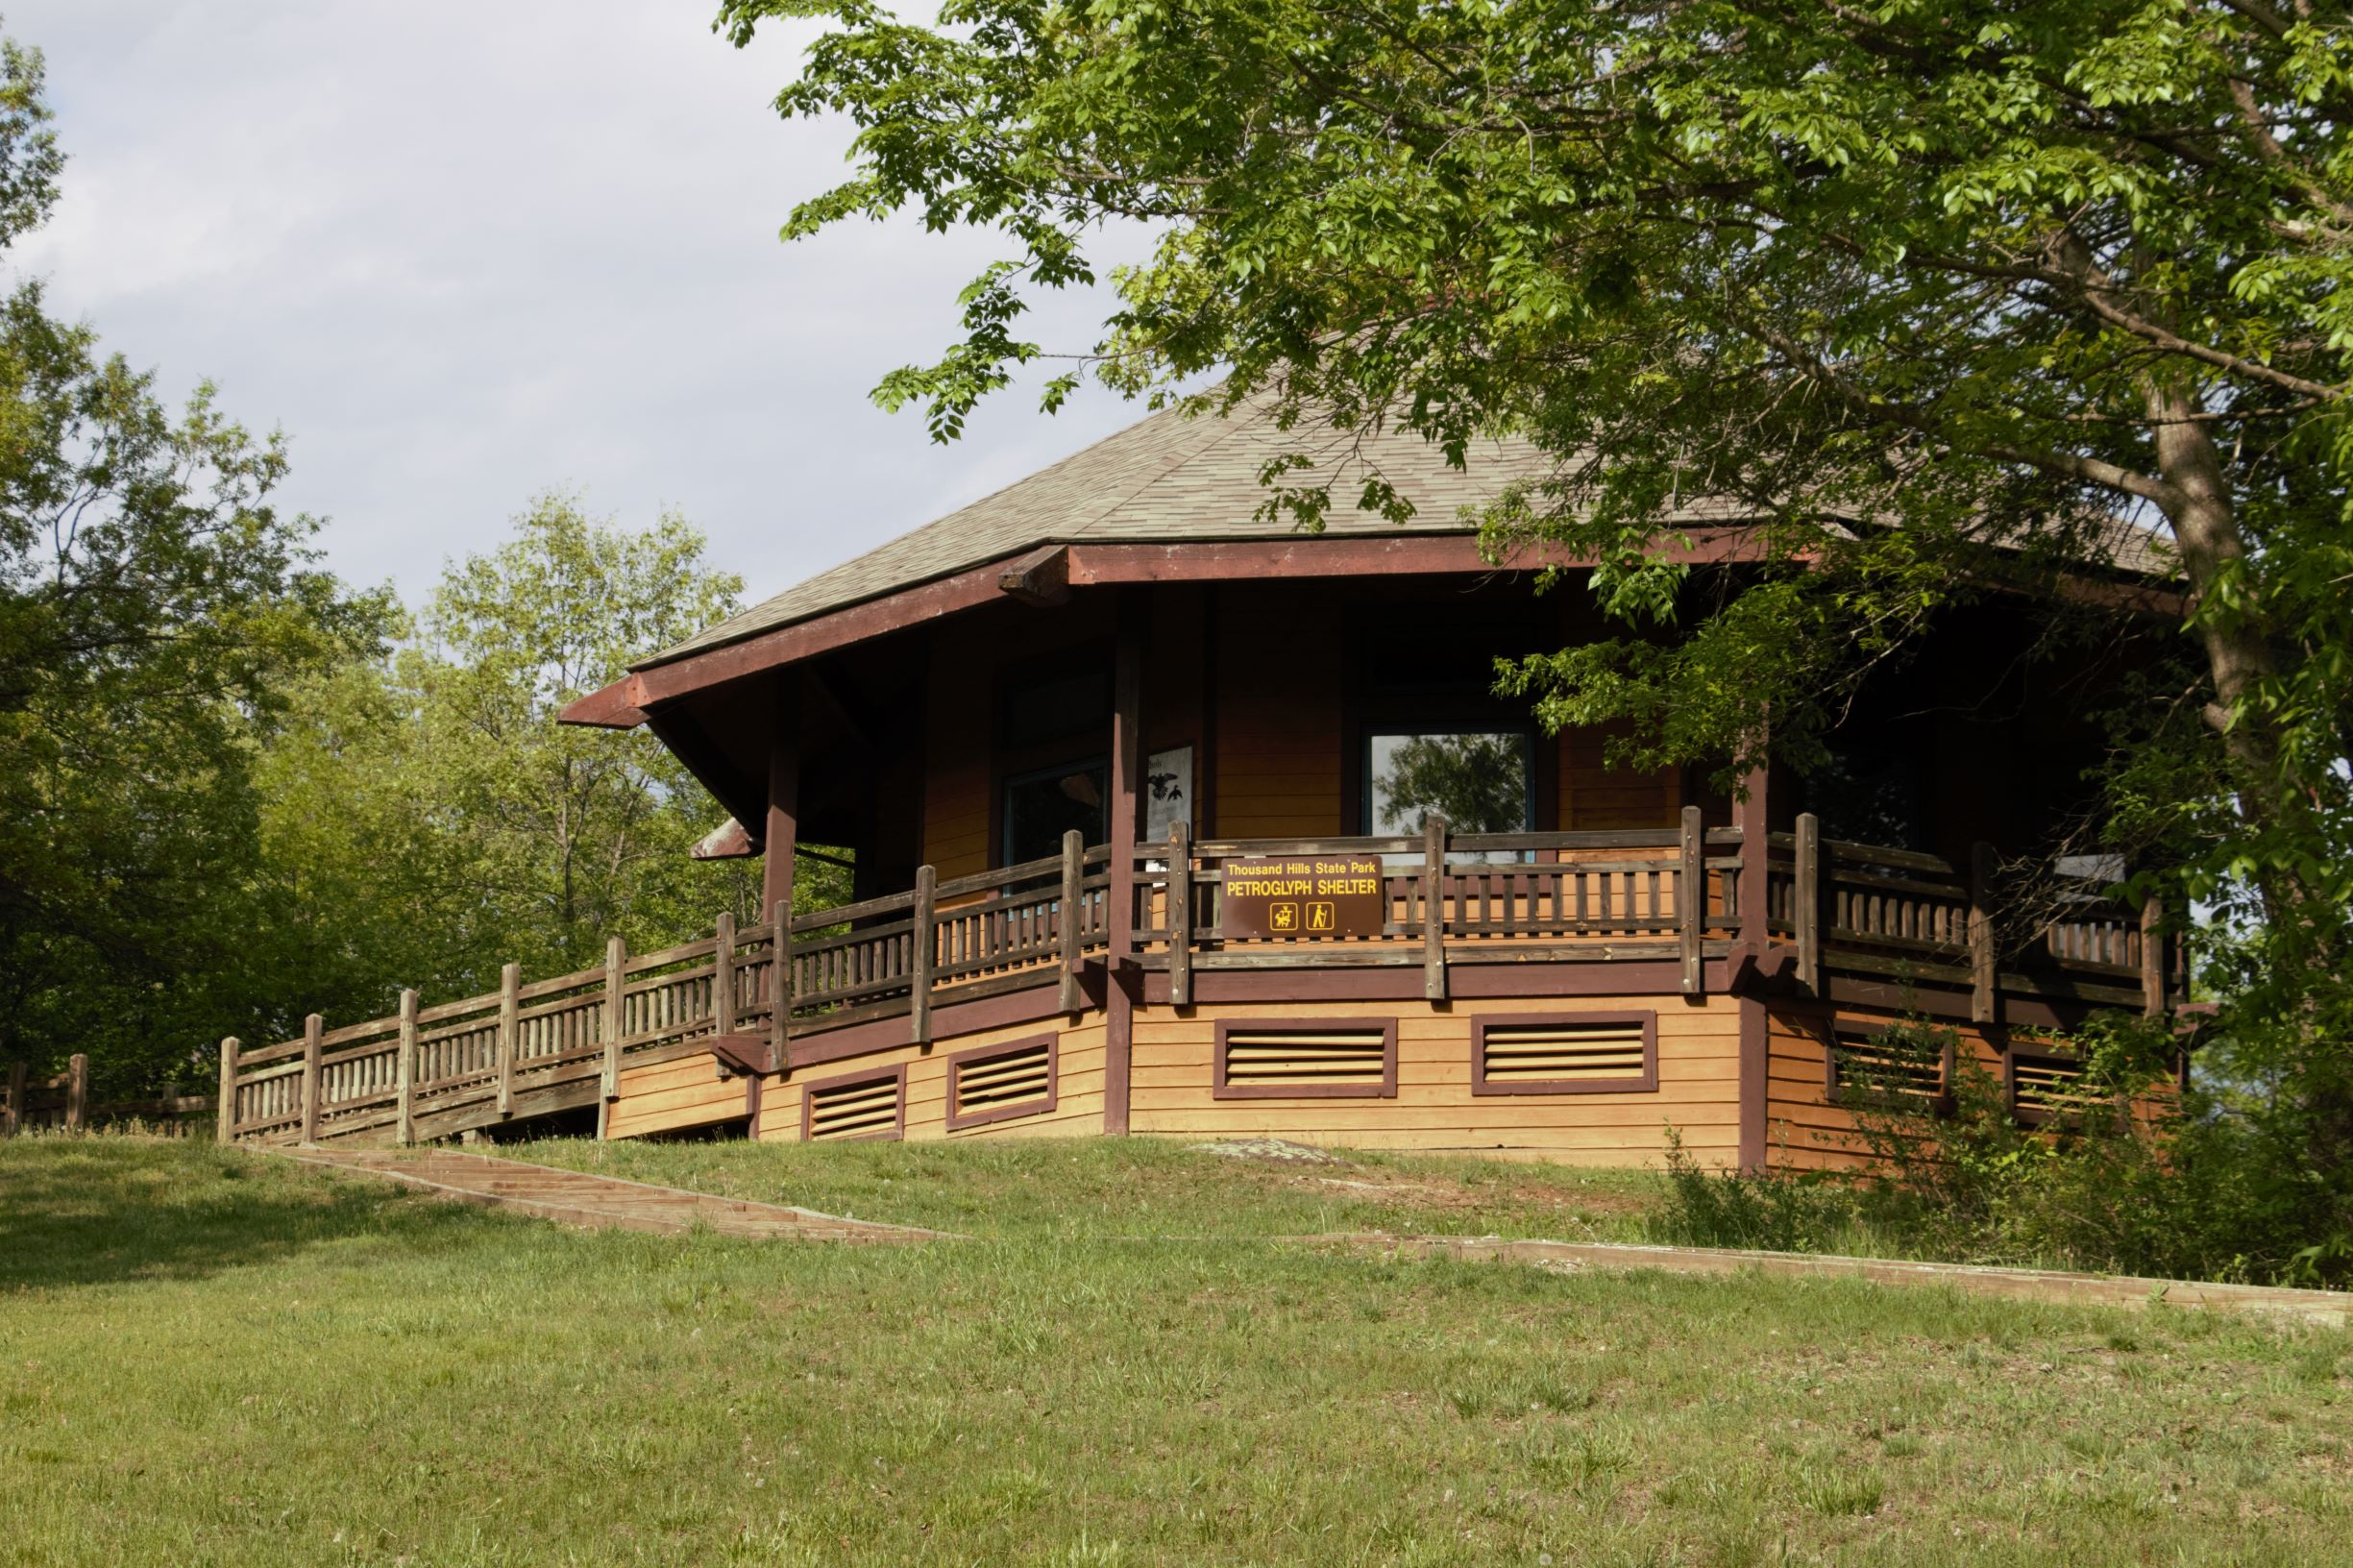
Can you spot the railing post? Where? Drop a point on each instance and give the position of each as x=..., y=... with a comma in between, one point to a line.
x=406, y=1131
x=1807, y=915
x=1983, y=1001
x=225, y=1111
x=77, y=1091
x=723, y=973
x=1180, y=916
x=2152, y=957
x=314, y=1032
x=16, y=1116
x=616, y=1019
x=1434, y=908
x=781, y=990
x=925, y=953
x=1691, y=899
x=1073, y=940
x=510, y=1030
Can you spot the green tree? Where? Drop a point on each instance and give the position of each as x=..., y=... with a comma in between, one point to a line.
x=1939, y=297
x=153, y=606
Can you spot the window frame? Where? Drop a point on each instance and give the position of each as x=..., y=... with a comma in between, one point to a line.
x=1002, y=848
x=851, y=1080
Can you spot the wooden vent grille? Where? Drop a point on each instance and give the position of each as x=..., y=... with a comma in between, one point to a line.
x=1569, y=1054
x=1344, y=1059
x=868, y=1105
x=1869, y=1066
x=2047, y=1086
x=996, y=1083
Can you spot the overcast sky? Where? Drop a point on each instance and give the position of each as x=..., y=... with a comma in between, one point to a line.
x=465, y=251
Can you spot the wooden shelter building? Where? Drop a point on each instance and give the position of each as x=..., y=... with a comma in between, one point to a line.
x=1169, y=818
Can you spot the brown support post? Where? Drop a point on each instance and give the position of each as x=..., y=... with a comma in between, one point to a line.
x=314, y=1031
x=16, y=1093
x=780, y=989
x=510, y=1032
x=616, y=1019
x=2152, y=957
x=1807, y=914
x=1755, y=1083
x=1691, y=899
x=405, y=1132
x=1434, y=908
x=1180, y=917
x=1074, y=873
x=924, y=951
x=225, y=1111
x=1755, y=902
x=1126, y=764
x=77, y=1091
x=1983, y=1001
x=783, y=828
x=723, y=974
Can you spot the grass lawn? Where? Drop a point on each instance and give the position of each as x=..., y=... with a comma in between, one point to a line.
x=216, y=1357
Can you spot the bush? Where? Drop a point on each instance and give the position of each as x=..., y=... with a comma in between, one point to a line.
x=2193, y=1190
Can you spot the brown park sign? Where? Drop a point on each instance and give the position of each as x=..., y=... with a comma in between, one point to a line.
x=1303, y=896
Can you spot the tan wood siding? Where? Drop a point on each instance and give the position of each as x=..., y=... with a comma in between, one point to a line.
x=1279, y=714
x=1435, y=1107
x=669, y=1095
x=1078, y=1106
x=1596, y=798
x=1804, y=1130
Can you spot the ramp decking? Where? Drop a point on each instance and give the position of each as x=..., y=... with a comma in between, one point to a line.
x=592, y=1202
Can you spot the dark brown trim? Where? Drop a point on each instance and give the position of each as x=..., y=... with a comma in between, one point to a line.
x=1031, y=1004
x=1384, y=1089
x=780, y=830
x=1756, y=1080
x=1040, y=578
x=609, y=707
x=958, y=1121
x=1126, y=763
x=852, y=1080
x=1646, y=1081
x=1468, y=982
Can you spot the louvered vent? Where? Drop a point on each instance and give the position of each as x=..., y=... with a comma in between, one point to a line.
x=1601, y=1052
x=867, y=1106
x=2050, y=1086
x=999, y=1084
x=1307, y=1058
x=1881, y=1068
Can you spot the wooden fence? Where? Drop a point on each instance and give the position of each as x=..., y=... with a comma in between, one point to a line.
x=63, y=1102
x=1679, y=895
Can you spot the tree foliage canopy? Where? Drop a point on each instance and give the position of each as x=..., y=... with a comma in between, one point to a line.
x=1930, y=297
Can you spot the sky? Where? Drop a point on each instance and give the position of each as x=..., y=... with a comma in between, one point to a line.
x=465, y=252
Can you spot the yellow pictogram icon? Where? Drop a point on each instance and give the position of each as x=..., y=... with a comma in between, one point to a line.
x=1283, y=916
x=1323, y=917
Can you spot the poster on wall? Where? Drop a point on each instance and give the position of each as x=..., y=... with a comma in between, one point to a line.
x=1168, y=792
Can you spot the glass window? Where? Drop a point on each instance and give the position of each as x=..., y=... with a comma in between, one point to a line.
x=1479, y=780
x=1041, y=806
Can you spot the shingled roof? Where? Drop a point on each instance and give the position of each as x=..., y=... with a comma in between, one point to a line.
x=1164, y=480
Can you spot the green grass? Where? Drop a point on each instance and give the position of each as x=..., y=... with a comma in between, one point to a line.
x=1096, y=1187
x=216, y=1358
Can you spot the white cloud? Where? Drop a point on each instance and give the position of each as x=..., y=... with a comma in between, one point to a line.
x=464, y=252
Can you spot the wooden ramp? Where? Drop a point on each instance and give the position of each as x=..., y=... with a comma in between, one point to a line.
x=574, y=1197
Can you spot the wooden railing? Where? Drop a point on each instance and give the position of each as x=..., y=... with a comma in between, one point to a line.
x=62, y=1102
x=1460, y=898
x=1445, y=899
x=1912, y=918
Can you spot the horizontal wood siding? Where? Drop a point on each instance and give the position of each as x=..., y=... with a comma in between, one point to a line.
x=1804, y=1129
x=1435, y=1107
x=667, y=1096
x=957, y=748
x=1078, y=1107
x=1594, y=799
x=1279, y=656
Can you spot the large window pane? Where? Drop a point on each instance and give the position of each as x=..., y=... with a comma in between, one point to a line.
x=1477, y=779
x=1040, y=807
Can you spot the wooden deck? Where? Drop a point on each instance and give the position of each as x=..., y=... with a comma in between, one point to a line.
x=597, y=1202
x=1484, y=915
